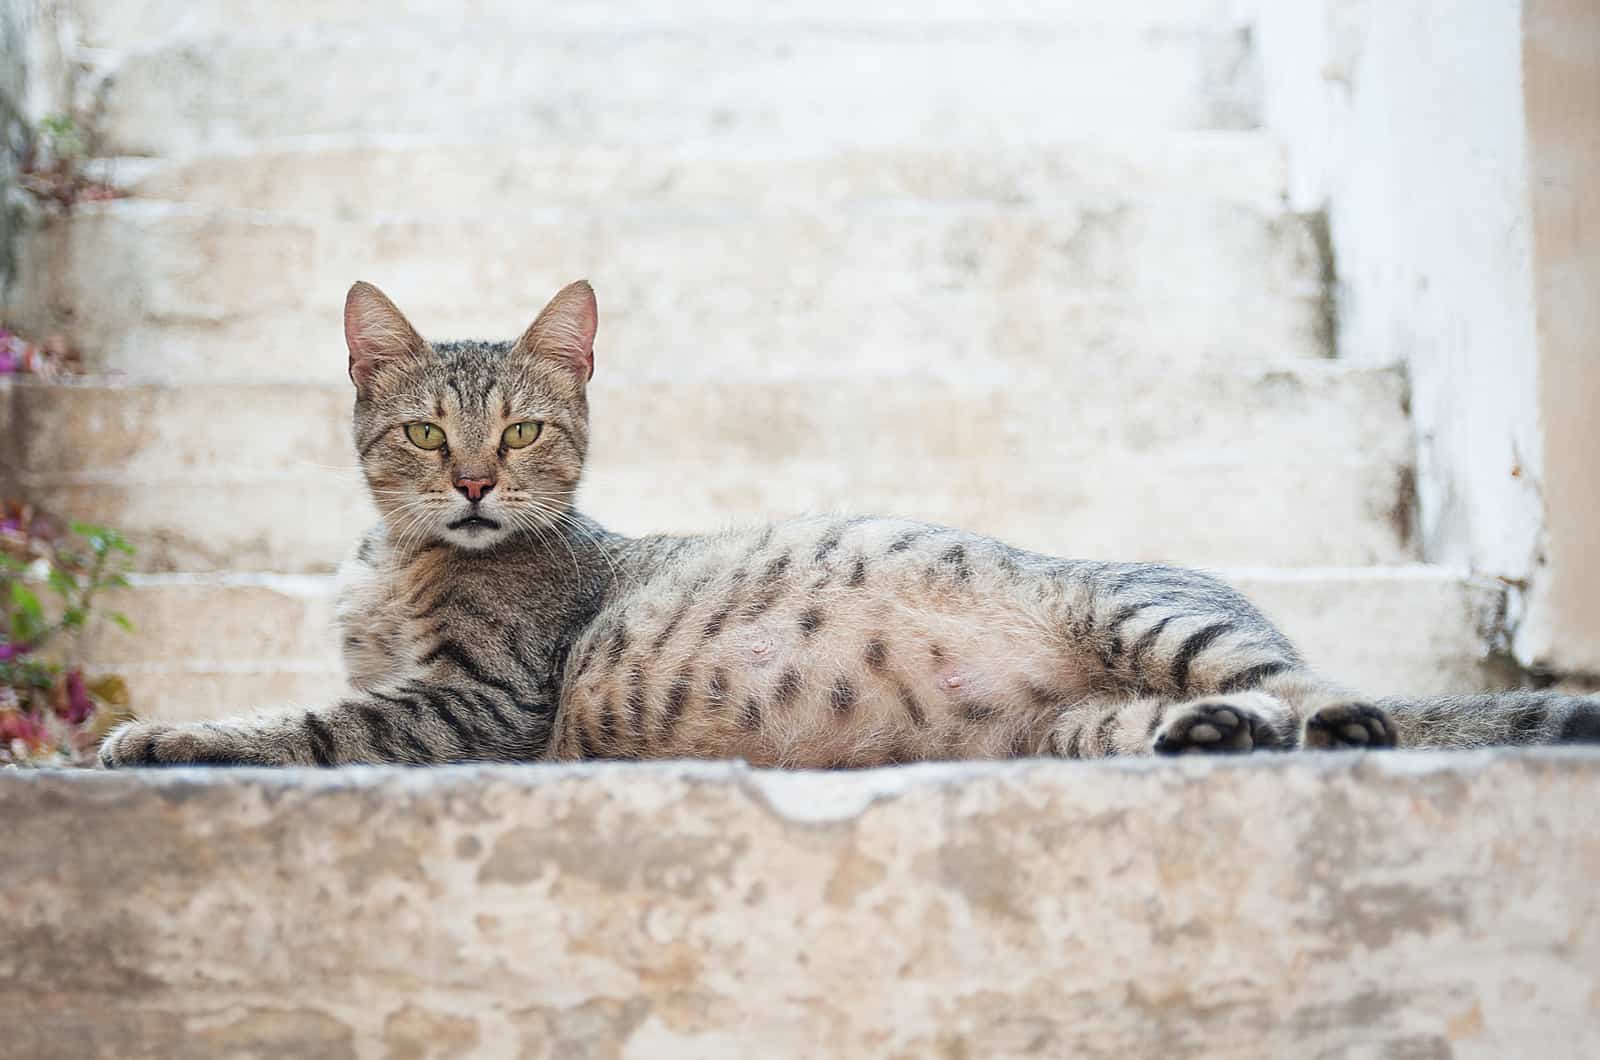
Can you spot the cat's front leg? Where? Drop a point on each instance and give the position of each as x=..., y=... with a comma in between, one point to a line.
x=411, y=724
x=220, y=743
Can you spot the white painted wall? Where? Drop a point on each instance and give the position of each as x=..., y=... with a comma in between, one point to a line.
x=1406, y=121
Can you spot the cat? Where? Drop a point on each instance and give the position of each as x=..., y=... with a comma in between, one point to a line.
x=484, y=618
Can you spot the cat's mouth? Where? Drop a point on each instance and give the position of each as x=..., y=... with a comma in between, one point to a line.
x=472, y=523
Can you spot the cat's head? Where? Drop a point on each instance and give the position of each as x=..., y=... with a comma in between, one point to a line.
x=469, y=442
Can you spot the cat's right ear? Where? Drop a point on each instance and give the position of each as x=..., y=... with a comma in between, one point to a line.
x=377, y=334
x=564, y=332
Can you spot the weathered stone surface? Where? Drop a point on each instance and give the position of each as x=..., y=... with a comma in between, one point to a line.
x=125, y=24
x=1302, y=464
x=1332, y=905
x=957, y=290
x=1158, y=175
x=671, y=82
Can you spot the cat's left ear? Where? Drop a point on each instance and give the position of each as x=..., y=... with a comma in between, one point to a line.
x=377, y=333
x=564, y=331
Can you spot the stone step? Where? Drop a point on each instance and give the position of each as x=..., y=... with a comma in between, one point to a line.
x=211, y=645
x=671, y=82
x=960, y=290
x=1172, y=175
x=1303, y=464
x=1396, y=904
x=125, y=24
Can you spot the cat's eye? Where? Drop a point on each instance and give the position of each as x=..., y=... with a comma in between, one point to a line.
x=521, y=435
x=425, y=435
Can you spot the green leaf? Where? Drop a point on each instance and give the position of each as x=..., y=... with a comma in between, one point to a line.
x=100, y=539
x=27, y=619
x=23, y=599
x=63, y=583
x=74, y=617
x=39, y=675
x=122, y=620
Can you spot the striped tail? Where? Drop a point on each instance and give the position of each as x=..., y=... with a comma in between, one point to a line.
x=1496, y=719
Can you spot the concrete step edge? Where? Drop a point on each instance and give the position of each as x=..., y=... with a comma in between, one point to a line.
x=1417, y=902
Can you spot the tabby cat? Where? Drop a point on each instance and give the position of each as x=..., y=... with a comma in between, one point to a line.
x=484, y=618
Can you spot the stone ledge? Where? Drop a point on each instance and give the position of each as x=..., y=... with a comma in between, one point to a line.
x=1402, y=904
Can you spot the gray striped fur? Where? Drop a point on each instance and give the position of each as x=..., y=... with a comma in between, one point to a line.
x=818, y=642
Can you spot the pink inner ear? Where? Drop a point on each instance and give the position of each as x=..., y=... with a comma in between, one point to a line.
x=360, y=354
x=374, y=331
x=585, y=321
x=566, y=330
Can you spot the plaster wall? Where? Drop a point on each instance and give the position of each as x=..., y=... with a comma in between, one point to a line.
x=1454, y=150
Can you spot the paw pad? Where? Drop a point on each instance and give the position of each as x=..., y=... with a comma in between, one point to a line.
x=1215, y=728
x=1349, y=726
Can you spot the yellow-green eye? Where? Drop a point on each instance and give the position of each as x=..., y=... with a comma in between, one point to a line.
x=425, y=435
x=519, y=435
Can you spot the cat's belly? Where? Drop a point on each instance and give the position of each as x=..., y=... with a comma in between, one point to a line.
x=811, y=652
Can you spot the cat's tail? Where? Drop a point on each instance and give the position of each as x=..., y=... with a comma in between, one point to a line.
x=1495, y=719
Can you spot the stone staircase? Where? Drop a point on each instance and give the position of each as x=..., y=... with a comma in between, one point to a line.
x=1018, y=267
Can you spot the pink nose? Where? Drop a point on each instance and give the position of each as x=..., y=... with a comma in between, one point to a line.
x=474, y=488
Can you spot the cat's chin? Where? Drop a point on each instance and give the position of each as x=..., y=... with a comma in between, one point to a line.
x=474, y=535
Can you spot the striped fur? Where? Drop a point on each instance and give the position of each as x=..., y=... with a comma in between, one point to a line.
x=533, y=633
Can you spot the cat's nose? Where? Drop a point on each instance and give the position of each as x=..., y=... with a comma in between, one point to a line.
x=474, y=489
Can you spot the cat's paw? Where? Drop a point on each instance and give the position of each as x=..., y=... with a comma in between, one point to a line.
x=1216, y=727
x=135, y=744
x=130, y=745
x=1348, y=726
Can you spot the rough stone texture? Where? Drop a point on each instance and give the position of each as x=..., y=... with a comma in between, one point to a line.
x=1301, y=464
x=124, y=24
x=375, y=175
x=211, y=646
x=1335, y=905
x=956, y=290
x=795, y=86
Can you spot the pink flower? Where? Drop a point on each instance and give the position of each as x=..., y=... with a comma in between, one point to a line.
x=21, y=727
x=9, y=651
x=79, y=706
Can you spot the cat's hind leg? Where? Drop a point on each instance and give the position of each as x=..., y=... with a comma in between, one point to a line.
x=1226, y=724
x=1286, y=712
x=1330, y=717
x=1219, y=724
x=1290, y=711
